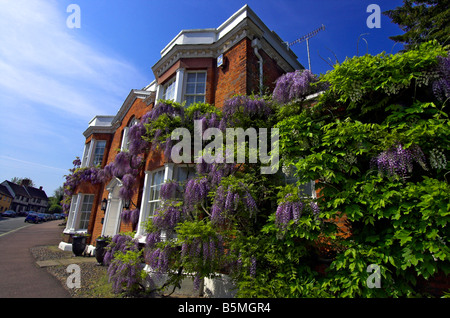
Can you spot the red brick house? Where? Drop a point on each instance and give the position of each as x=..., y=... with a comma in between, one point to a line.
x=241, y=56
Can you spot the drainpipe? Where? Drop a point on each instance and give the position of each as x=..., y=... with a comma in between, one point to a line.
x=256, y=44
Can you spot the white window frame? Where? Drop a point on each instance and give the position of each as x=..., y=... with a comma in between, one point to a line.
x=195, y=94
x=89, y=152
x=84, y=213
x=170, y=89
x=95, y=155
x=169, y=173
x=75, y=213
x=125, y=141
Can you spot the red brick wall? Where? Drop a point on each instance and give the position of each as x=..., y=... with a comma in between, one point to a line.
x=271, y=72
x=138, y=109
x=231, y=79
x=239, y=75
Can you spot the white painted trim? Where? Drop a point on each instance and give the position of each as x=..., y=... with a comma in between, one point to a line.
x=115, y=182
x=179, y=85
x=65, y=246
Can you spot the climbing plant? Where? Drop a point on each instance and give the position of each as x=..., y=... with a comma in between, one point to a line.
x=374, y=141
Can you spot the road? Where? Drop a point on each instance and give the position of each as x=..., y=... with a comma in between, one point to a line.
x=8, y=225
x=19, y=275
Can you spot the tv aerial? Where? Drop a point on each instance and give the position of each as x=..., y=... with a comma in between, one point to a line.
x=306, y=38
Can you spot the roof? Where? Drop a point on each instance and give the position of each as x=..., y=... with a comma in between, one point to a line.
x=25, y=191
x=17, y=189
x=4, y=190
x=37, y=193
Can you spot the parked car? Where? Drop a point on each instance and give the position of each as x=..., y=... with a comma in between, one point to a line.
x=32, y=217
x=59, y=216
x=46, y=216
x=9, y=214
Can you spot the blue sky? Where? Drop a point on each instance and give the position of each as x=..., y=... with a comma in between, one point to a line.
x=54, y=79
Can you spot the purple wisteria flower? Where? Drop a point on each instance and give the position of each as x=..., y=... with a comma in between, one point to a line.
x=315, y=208
x=168, y=190
x=77, y=162
x=244, y=105
x=130, y=217
x=288, y=211
x=441, y=87
x=137, y=144
x=196, y=191
x=399, y=161
x=158, y=258
x=253, y=267
x=164, y=108
x=293, y=85
x=227, y=202
x=166, y=217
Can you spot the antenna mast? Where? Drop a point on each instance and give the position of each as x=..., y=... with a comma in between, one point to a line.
x=306, y=38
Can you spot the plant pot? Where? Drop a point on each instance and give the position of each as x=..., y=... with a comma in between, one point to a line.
x=78, y=245
x=100, y=249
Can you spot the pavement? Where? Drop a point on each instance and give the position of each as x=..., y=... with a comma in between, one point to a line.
x=20, y=275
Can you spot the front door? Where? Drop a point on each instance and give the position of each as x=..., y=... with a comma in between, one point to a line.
x=111, y=223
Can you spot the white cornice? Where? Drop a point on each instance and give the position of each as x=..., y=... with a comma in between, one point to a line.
x=213, y=42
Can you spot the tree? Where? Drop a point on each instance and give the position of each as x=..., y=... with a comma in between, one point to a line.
x=422, y=21
x=19, y=181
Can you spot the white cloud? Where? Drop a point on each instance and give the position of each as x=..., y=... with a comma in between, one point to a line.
x=43, y=61
x=52, y=82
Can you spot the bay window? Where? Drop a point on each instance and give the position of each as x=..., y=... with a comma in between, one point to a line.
x=93, y=153
x=79, y=213
x=152, y=186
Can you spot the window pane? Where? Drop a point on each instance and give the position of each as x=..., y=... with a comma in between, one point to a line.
x=200, y=99
x=200, y=88
x=86, y=154
x=169, y=90
x=192, y=77
x=98, y=153
x=195, y=87
x=190, y=88
x=153, y=207
x=190, y=100
x=155, y=186
x=201, y=77
x=85, y=211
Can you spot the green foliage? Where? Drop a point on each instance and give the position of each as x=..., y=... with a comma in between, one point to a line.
x=367, y=84
x=397, y=221
x=421, y=20
x=375, y=142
